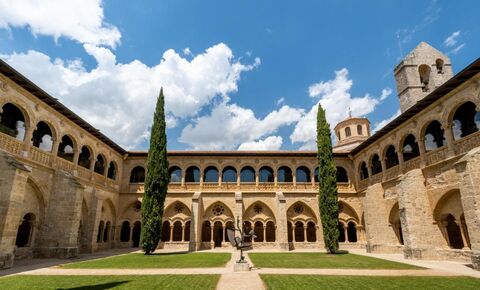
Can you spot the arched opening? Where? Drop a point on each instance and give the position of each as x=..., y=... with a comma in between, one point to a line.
x=342, y=175
x=12, y=121
x=391, y=157
x=341, y=233
x=84, y=157
x=106, y=233
x=125, y=232
x=218, y=234
x=434, y=136
x=270, y=232
x=42, y=137
x=299, y=232
x=166, y=231
x=394, y=220
x=187, y=231
x=247, y=174
x=137, y=229
x=363, y=171
x=424, y=73
x=289, y=232
x=315, y=174
x=466, y=120
x=210, y=174
x=311, y=232
x=265, y=174
x=206, y=232
x=112, y=170
x=439, y=65
x=101, y=226
x=410, y=148
x=376, y=164
x=137, y=175
x=229, y=174
x=284, y=174
x=359, y=130
x=192, y=174
x=352, y=232
x=228, y=225
x=25, y=231
x=247, y=228
x=177, y=231
x=258, y=231
x=175, y=174
x=454, y=234
x=99, y=165
x=65, y=148
x=348, y=132
x=303, y=174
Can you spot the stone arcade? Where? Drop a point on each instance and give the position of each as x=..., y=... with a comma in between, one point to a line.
x=413, y=187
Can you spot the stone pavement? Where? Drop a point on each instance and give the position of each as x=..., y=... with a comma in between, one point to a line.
x=250, y=280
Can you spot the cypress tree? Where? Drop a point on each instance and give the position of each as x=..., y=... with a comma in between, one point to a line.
x=327, y=181
x=156, y=181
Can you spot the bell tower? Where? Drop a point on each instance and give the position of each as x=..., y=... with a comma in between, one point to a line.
x=422, y=71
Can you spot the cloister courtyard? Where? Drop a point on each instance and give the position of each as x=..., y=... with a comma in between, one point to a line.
x=213, y=269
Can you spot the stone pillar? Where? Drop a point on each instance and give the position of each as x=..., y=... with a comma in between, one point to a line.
x=304, y=233
x=195, y=225
x=462, y=232
x=58, y=236
x=450, y=139
x=416, y=217
x=13, y=181
x=423, y=151
x=183, y=233
x=264, y=233
x=380, y=237
x=212, y=226
x=282, y=225
x=294, y=238
x=238, y=209
x=345, y=231
x=468, y=170
x=171, y=233
x=27, y=143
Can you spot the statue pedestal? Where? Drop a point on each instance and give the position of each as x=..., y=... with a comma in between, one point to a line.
x=241, y=267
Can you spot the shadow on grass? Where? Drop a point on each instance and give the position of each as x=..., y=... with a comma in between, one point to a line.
x=168, y=254
x=97, y=287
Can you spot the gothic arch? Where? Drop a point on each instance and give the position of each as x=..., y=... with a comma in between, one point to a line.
x=218, y=211
x=346, y=213
x=177, y=211
x=300, y=211
x=259, y=211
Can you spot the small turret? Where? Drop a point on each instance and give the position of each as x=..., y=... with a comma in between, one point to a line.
x=351, y=132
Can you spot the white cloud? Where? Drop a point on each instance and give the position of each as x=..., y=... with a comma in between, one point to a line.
x=386, y=92
x=187, y=51
x=269, y=143
x=229, y=125
x=451, y=40
x=381, y=124
x=457, y=49
x=80, y=20
x=120, y=98
x=334, y=96
x=280, y=101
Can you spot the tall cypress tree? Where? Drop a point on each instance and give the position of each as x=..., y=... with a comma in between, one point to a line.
x=156, y=181
x=327, y=181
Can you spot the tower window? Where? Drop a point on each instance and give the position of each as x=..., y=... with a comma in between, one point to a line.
x=359, y=130
x=348, y=132
x=424, y=72
x=439, y=64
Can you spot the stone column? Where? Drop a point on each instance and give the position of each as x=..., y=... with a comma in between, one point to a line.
x=238, y=209
x=294, y=239
x=183, y=233
x=27, y=143
x=195, y=226
x=305, y=233
x=12, y=191
x=212, y=226
x=171, y=232
x=345, y=230
x=468, y=171
x=54, y=151
x=450, y=139
x=282, y=225
x=416, y=217
x=423, y=151
x=462, y=232
x=264, y=233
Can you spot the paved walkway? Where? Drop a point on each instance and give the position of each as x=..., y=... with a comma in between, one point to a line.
x=248, y=280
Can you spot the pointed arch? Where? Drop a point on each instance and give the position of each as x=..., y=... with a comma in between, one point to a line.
x=259, y=211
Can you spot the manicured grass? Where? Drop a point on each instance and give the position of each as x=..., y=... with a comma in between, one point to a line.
x=323, y=261
x=171, y=282
x=307, y=282
x=164, y=260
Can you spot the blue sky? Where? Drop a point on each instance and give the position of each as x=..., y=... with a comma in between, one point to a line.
x=236, y=74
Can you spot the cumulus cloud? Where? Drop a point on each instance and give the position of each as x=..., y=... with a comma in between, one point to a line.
x=386, y=92
x=229, y=126
x=383, y=123
x=120, y=98
x=269, y=143
x=334, y=96
x=452, y=39
x=79, y=20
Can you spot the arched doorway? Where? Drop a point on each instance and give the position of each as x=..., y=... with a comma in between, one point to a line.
x=299, y=232
x=177, y=231
x=218, y=234
x=125, y=232
x=25, y=231
x=137, y=228
x=311, y=232
x=166, y=231
x=352, y=232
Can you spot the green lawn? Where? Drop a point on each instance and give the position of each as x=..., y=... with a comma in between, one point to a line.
x=322, y=260
x=164, y=260
x=171, y=282
x=307, y=282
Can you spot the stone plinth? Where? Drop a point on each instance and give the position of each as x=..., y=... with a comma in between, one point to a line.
x=241, y=267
